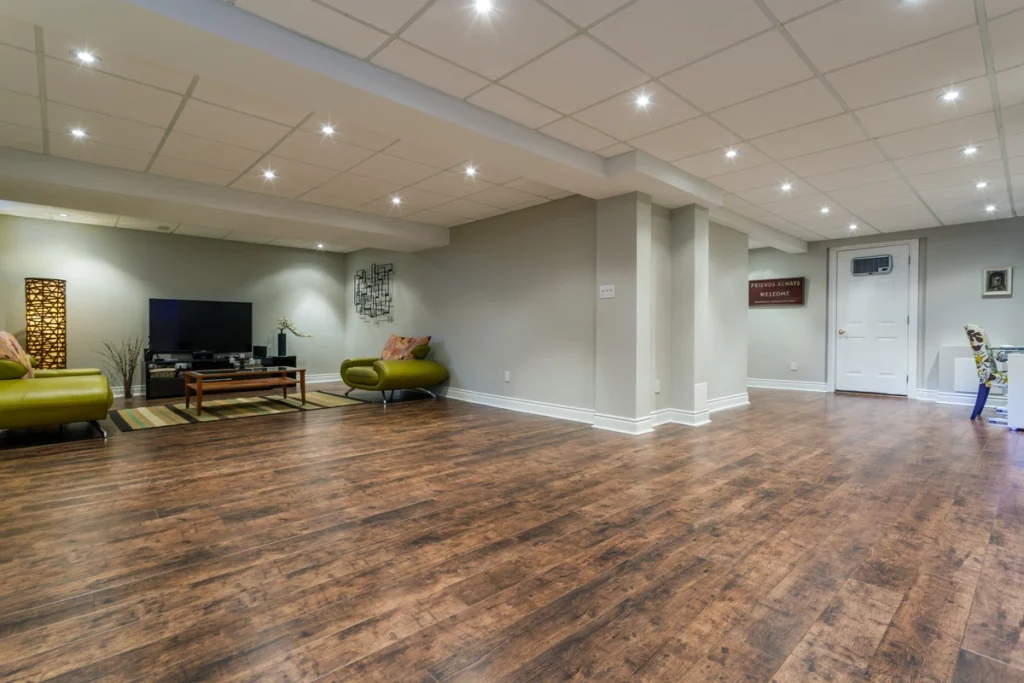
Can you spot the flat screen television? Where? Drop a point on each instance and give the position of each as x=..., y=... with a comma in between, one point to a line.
x=183, y=326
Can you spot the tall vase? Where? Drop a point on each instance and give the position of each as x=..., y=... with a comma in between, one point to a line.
x=282, y=344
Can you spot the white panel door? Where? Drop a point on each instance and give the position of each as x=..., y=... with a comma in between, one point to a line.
x=873, y=323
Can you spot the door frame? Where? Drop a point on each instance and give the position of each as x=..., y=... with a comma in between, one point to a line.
x=913, y=296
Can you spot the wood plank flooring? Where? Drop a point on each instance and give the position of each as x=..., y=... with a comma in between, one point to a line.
x=808, y=537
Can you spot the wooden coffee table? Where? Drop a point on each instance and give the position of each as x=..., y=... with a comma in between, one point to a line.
x=201, y=382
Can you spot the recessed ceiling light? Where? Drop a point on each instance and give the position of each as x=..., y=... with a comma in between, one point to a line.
x=991, y=208
x=950, y=96
x=397, y=201
x=825, y=211
x=327, y=129
x=981, y=184
x=483, y=6
x=643, y=100
x=970, y=150
x=63, y=215
x=731, y=154
x=786, y=187
x=77, y=133
x=85, y=57
x=471, y=171
x=853, y=226
x=269, y=174
x=320, y=246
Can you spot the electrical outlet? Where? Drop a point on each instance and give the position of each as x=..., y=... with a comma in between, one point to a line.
x=657, y=386
x=606, y=291
x=508, y=376
x=792, y=366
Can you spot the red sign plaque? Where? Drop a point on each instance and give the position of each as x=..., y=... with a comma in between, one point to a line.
x=787, y=291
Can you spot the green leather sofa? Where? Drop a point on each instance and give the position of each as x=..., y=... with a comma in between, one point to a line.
x=374, y=374
x=52, y=397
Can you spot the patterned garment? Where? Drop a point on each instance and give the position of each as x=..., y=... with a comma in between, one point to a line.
x=11, y=350
x=400, y=348
x=988, y=373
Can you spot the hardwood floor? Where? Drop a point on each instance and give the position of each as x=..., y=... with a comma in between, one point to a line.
x=807, y=538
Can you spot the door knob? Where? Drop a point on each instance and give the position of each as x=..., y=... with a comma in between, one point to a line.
x=842, y=331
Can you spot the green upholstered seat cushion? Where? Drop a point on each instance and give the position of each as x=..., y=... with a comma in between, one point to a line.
x=10, y=369
x=38, y=402
x=70, y=372
x=361, y=376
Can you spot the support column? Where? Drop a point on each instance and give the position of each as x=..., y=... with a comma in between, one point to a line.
x=624, y=396
x=691, y=316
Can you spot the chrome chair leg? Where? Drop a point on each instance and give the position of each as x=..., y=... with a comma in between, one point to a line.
x=429, y=393
x=384, y=396
x=98, y=428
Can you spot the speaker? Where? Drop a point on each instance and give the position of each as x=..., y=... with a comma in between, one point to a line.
x=259, y=352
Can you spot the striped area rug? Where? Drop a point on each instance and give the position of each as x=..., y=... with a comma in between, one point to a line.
x=174, y=414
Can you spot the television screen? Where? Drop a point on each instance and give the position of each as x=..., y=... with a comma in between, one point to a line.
x=181, y=326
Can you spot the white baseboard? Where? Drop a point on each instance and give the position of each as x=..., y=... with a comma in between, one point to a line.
x=118, y=391
x=727, y=402
x=957, y=399
x=788, y=385
x=323, y=379
x=624, y=425
x=522, y=405
x=689, y=418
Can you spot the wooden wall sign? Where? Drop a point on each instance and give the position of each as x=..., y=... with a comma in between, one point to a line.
x=786, y=291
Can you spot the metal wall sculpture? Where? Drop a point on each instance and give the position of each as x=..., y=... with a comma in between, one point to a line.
x=46, y=322
x=373, y=292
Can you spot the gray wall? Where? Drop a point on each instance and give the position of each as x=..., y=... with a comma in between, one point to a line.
x=112, y=273
x=728, y=293
x=951, y=262
x=661, y=292
x=515, y=292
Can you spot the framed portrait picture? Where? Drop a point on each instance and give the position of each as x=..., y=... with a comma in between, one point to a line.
x=997, y=281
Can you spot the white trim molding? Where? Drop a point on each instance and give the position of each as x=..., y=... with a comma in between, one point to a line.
x=787, y=385
x=522, y=405
x=624, y=425
x=727, y=402
x=688, y=418
x=950, y=398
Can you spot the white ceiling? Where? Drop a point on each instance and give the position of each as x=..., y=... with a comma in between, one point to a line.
x=837, y=97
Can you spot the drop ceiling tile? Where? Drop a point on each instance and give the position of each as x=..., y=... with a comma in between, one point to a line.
x=491, y=45
x=908, y=218
x=940, y=136
x=558, y=79
x=424, y=155
x=19, y=109
x=1015, y=145
x=461, y=209
x=948, y=158
x=328, y=198
x=125, y=65
x=18, y=33
x=413, y=200
x=98, y=153
x=102, y=128
x=187, y=170
x=201, y=231
x=295, y=172
x=585, y=12
x=502, y=197
x=352, y=190
x=752, y=68
x=1013, y=120
x=615, y=150
x=780, y=110
x=412, y=62
x=785, y=10
x=995, y=8
x=802, y=205
x=223, y=125
x=815, y=137
x=252, y=237
x=854, y=30
x=886, y=188
x=621, y=118
x=21, y=137
x=1011, y=86
x=453, y=185
x=888, y=203
x=186, y=147
x=535, y=188
x=97, y=91
x=349, y=133
x=319, y=23
x=814, y=219
x=495, y=176
x=388, y=16
x=771, y=175
x=661, y=35
x=686, y=139
x=394, y=170
x=936, y=64
x=774, y=193
x=865, y=175
x=430, y=217
x=715, y=163
x=791, y=229
x=838, y=159
x=1005, y=34
x=225, y=96
x=578, y=135
x=924, y=109
x=514, y=106
x=957, y=212
x=254, y=182
x=957, y=177
x=19, y=71
x=965, y=192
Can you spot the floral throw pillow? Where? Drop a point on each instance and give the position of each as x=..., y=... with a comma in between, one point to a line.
x=11, y=350
x=400, y=348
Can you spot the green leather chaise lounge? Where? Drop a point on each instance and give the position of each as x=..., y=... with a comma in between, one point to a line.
x=52, y=397
x=409, y=371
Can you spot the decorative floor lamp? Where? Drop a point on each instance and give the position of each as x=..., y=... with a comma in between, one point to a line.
x=46, y=322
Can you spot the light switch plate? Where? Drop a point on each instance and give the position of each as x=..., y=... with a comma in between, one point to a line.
x=508, y=376
x=606, y=291
x=792, y=366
